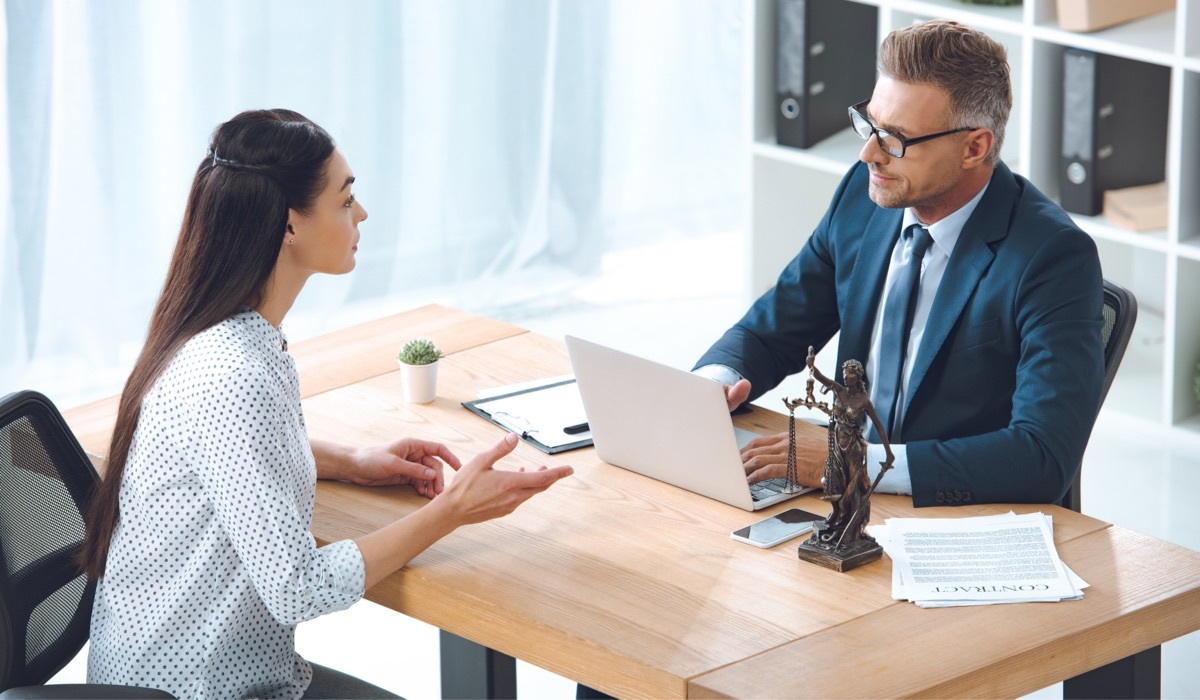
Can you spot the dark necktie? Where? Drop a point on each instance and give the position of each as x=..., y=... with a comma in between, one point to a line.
x=897, y=322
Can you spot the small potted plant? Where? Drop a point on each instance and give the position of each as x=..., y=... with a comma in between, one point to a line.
x=418, y=370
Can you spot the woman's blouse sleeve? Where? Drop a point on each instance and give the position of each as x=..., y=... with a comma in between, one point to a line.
x=259, y=475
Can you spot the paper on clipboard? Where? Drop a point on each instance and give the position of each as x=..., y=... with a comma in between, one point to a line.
x=538, y=412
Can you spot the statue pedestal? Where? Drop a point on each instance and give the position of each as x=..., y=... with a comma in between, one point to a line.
x=851, y=555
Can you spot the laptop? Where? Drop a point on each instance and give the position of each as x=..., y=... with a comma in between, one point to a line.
x=667, y=424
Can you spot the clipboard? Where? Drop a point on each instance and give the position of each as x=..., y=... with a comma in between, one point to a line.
x=536, y=421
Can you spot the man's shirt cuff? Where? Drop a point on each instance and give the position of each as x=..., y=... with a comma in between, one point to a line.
x=897, y=479
x=725, y=375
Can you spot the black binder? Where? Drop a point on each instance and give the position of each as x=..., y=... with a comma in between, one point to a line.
x=1114, y=129
x=825, y=63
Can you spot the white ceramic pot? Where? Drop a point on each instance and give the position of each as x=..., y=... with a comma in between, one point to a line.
x=420, y=382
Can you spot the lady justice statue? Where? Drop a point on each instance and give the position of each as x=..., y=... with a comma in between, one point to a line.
x=840, y=542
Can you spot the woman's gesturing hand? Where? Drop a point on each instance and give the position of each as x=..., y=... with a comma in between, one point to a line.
x=407, y=461
x=480, y=492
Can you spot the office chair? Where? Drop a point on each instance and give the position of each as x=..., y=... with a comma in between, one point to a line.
x=1120, y=313
x=46, y=482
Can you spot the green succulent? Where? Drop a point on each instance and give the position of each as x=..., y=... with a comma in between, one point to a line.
x=419, y=351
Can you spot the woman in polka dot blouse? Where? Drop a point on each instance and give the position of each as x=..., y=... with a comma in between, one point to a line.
x=199, y=534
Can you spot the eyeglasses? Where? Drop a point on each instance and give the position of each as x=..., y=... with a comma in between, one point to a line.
x=890, y=143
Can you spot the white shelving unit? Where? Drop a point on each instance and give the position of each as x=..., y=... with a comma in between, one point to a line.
x=790, y=188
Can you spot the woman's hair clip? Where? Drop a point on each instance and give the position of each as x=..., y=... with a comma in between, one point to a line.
x=217, y=160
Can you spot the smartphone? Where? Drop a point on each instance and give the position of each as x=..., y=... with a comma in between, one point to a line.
x=777, y=528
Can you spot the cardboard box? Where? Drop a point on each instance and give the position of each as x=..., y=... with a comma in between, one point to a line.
x=1090, y=15
x=1142, y=208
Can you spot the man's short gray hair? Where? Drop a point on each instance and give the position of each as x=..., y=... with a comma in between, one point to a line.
x=970, y=66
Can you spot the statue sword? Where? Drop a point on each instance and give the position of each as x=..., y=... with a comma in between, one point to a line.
x=866, y=500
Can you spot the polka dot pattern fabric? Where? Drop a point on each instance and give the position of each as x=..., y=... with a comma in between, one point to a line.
x=213, y=564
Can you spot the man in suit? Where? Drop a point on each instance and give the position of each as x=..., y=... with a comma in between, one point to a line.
x=989, y=371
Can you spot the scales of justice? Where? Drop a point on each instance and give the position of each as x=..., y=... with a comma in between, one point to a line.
x=840, y=541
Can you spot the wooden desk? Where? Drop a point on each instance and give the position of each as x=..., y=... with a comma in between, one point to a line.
x=635, y=588
x=1144, y=592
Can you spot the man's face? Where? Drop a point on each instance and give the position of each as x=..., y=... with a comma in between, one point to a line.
x=929, y=170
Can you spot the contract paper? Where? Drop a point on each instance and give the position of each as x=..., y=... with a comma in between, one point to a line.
x=976, y=561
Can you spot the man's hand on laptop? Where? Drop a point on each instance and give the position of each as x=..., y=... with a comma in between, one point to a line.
x=737, y=394
x=766, y=457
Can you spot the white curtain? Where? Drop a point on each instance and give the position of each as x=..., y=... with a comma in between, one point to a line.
x=502, y=147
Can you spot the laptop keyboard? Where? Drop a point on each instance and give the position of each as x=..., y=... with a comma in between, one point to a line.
x=767, y=488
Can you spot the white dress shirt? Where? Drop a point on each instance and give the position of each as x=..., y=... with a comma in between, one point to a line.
x=213, y=564
x=945, y=234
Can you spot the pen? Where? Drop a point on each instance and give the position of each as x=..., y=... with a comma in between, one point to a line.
x=574, y=429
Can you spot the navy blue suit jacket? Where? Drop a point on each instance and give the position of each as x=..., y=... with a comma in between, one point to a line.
x=1006, y=383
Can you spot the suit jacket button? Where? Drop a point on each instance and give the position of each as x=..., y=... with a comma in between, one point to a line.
x=967, y=496
x=941, y=497
x=957, y=495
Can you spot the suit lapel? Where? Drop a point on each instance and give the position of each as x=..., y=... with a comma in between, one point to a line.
x=971, y=257
x=870, y=271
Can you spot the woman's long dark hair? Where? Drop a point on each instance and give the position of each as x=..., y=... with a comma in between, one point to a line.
x=259, y=165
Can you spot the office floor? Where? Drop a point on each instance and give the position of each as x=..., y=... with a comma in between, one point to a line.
x=669, y=302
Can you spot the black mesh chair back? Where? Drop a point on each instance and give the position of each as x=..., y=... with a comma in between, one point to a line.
x=46, y=482
x=1120, y=313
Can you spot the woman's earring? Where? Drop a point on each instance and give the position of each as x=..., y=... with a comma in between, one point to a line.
x=292, y=240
